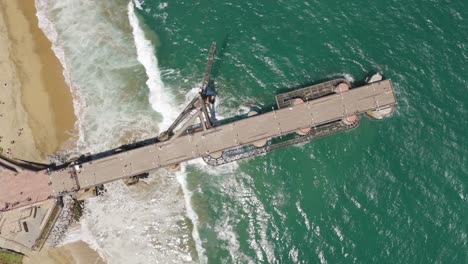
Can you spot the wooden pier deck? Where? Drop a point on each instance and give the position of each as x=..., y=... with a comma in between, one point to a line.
x=185, y=147
x=27, y=195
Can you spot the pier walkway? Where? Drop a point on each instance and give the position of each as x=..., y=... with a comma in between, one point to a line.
x=31, y=196
x=187, y=146
x=34, y=204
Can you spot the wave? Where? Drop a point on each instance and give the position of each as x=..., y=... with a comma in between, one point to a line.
x=101, y=69
x=182, y=179
x=126, y=223
x=163, y=102
x=47, y=26
x=159, y=100
x=106, y=63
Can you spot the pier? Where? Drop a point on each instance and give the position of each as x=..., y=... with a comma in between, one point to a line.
x=213, y=140
x=29, y=197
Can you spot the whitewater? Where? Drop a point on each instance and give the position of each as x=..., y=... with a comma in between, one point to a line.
x=165, y=104
x=152, y=222
x=386, y=192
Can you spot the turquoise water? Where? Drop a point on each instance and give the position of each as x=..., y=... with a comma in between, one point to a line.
x=390, y=191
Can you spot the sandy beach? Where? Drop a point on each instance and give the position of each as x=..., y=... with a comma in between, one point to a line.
x=73, y=253
x=36, y=106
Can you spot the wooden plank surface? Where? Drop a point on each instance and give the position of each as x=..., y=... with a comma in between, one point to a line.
x=245, y=131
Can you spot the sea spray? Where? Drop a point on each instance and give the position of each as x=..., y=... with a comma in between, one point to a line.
x=134, y=224
x=138, y=223
x=81, y=232
x=162, y=102
x=182, y=179
x=159, y=99
x=151, y=218
x=99, y=58
x=47, y=26
x=143, y=223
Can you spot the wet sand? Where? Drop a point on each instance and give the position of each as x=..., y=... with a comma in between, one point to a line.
x=73, y=253
x=35, y=99
x=36, y=107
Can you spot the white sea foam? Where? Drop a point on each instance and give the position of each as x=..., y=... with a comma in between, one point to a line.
x=77, y=232
x=338, y=233
x=226, y=232
x=293, y=254
x=303, y=214
x=81, y=232
x=137, y=224
x=161, y=6
x=348, y=77
x=236, y=190
x=97, y=70
x=140, y=224
x=182, y=178
x=47, y=26
x=322, y=258
x=162, y=101
x=159, y=99
x=138, y=4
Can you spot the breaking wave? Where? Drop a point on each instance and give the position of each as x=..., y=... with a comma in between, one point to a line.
x=109, y=63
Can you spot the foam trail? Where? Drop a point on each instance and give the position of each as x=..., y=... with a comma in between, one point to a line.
x=46, y=25
x=138, y=4
x=145, y=223
x=80, y=232
x=182, y=178
x=93, y=67
x=108, y=119
x=162, y=103
x=348, y=77
x=158, y=98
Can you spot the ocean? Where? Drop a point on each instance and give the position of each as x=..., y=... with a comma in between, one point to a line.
x=389, y=191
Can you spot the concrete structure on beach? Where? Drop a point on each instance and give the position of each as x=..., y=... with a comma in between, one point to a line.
x=31, y=198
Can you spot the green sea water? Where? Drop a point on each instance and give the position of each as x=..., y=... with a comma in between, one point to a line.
x=390, y=191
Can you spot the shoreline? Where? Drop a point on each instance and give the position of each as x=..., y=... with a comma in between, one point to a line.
x=72, y=253
x=36, y=107
x=38, y=77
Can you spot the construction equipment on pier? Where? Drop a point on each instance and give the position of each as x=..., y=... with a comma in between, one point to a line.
x=198, y=103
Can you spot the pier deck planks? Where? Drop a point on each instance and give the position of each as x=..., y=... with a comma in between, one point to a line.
x=263, y=126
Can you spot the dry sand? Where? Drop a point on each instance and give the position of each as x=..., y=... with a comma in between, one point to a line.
x=13, y=118
x=35, y=99
x=36, y=108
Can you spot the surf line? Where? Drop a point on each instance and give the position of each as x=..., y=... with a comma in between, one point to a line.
x=160, y=101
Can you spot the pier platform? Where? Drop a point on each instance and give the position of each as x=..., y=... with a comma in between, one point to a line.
x=217, y=139
x=30, y=199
